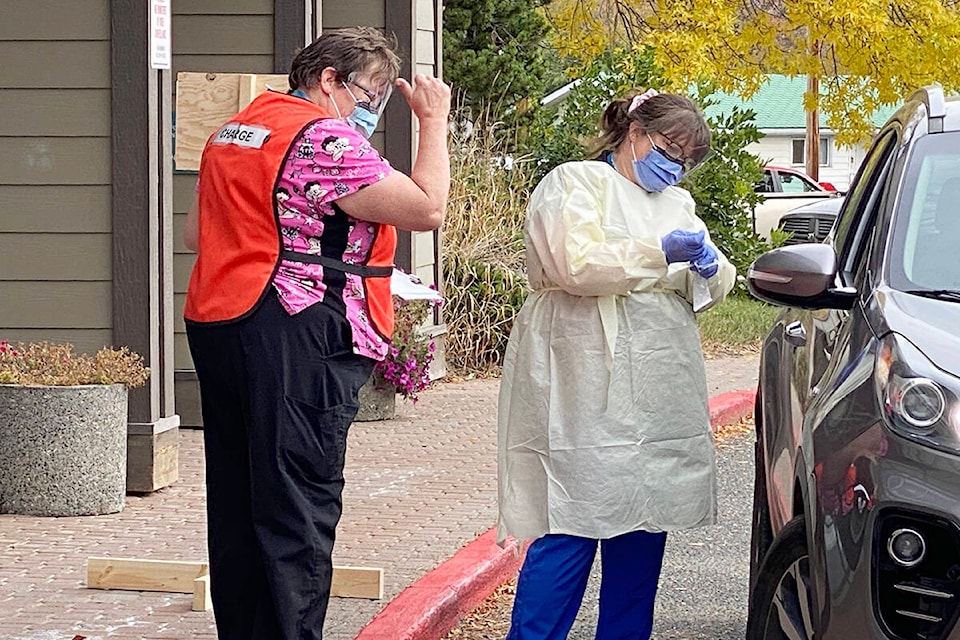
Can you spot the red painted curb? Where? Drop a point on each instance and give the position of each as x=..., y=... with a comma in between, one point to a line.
x=730, y=408
x=431, y=606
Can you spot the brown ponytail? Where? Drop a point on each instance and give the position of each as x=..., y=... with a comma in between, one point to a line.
x=675, y=116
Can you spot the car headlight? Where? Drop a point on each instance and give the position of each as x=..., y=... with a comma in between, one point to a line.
x=919, y=400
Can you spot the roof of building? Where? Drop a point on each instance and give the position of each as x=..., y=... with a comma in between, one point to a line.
x=779, y=104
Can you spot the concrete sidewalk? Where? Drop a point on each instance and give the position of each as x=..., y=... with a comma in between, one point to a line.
x=418, y=489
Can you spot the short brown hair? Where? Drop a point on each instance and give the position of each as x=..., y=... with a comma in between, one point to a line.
x=672, y=115
x=349, y=51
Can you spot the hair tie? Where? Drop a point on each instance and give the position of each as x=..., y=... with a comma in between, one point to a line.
x=640, y=99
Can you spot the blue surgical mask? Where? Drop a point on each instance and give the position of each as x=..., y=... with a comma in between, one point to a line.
x=654, y=171
x=362, y=119
x=365, y=122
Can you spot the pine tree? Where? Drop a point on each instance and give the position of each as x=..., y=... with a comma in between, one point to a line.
x=495, y=54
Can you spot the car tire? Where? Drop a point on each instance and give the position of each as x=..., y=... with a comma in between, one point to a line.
x=781, y=607
x=761, y=533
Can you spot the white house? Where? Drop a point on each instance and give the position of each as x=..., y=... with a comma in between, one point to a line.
x=780, y=117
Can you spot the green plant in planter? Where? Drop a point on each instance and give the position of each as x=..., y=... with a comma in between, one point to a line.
x=407, y=365
x=57, y=365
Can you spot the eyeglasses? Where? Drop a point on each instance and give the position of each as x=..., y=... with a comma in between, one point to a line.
x=674, y=153
x=375, y=103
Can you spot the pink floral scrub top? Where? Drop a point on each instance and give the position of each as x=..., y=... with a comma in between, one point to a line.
x=326, y=162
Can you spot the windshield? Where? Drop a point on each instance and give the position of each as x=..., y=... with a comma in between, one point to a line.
x=792, y=183
x=926, y=242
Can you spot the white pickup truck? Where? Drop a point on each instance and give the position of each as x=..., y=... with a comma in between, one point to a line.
x=784, y=189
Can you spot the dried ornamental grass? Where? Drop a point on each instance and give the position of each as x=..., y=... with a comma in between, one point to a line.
x=56, y=364
x=483, y=253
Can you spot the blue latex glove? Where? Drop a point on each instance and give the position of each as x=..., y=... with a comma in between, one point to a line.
x=708, y=264
x=683, y=246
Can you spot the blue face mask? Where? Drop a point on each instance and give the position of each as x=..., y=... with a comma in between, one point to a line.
x=362, y=119
x=654, y=171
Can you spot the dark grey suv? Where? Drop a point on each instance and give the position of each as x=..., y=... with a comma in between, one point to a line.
x=856, y=527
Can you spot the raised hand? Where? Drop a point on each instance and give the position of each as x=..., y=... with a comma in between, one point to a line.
x=428, y=97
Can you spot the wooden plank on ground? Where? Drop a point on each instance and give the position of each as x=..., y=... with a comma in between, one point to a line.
x=201, y=594
x=144, y=575
x=182, y=577
x=357, y=582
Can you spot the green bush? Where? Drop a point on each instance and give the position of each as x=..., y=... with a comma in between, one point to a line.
x=480, y=308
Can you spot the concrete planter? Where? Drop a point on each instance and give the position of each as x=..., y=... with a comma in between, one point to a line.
x=378, y=400
x=63, y=450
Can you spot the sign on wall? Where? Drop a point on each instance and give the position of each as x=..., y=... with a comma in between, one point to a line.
x=160, y=47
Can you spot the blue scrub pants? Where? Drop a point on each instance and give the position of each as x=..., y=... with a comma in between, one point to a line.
x=554, y=578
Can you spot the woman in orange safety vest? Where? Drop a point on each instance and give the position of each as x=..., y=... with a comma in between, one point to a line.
x=288, y=310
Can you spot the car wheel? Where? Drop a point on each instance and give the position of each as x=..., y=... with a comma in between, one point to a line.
x=781, y=607
x=761, y=534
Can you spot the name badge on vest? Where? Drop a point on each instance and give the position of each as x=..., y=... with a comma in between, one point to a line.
x=242, y=135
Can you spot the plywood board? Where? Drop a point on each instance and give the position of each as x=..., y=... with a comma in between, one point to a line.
x=207, y=100
x=144, y=575
x=181, y=577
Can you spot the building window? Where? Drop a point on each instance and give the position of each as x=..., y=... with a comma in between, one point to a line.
x=799, y=148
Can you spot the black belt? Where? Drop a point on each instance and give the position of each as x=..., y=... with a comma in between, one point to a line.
x=338, y=265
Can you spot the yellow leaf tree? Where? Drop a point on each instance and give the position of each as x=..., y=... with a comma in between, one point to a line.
x=858, y=56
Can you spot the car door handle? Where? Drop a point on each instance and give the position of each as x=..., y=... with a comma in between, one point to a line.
x=795, y=334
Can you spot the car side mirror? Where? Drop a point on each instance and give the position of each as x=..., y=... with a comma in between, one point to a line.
x=802, y=275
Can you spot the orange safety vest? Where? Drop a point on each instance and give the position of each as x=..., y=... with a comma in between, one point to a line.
x=240, y=243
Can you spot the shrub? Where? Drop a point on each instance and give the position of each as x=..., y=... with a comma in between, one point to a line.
x=56, y=364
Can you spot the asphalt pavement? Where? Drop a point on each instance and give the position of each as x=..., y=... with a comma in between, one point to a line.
x=703, y=585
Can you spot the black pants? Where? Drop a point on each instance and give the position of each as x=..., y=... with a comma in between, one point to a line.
x=278, y=395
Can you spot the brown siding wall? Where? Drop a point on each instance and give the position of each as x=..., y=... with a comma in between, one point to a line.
x=227, y=36
x=55, y=176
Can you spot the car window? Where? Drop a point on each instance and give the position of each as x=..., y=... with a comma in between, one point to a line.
x=858, y=212
x=766, y=184
x=793, y=183
x=927, y=223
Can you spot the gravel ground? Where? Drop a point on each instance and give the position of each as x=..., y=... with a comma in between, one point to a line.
x=703, y=586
